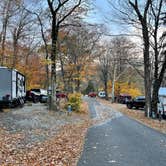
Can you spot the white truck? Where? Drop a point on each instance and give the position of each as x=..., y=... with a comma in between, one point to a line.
x=12, y=87
x=162, y=101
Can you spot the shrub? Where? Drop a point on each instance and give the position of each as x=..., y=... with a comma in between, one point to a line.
x=74, y=101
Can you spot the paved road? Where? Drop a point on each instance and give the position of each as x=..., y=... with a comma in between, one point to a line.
x=122, y=142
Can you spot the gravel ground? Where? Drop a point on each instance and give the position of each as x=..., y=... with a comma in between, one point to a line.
x=100, y=113
x=34, y=122
x=32, y=135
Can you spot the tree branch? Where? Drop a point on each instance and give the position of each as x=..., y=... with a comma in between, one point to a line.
x=148, y=2
x=41, y=29
x=163, y=69
x=135, y=6
x=69, y=13
x=50, y=6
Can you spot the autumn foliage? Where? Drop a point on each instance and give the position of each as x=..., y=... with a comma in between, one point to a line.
x=126, y=88
x=74, y=101
x=32, y=67
x=34, y=71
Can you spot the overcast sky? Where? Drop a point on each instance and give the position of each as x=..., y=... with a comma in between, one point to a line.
x=101, y=13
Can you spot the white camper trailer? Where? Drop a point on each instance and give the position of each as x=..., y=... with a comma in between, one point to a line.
x=162, y=101
x=12, y=87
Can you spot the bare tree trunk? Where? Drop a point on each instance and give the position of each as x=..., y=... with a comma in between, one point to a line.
x=54, y=37
x=147, y=71
x=78, y=85
x=6, y=17
x=113, y=84
x=78, y=82
x=158, y=77
x=15, y=50
x=3, y=40
x=106, y=89
x=147, y=66
x=157, y=84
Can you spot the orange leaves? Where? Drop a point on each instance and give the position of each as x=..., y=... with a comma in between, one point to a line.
x=57, y=145
x=34, y=71
x=63, y=49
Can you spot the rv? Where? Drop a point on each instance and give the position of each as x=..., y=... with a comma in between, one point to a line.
x=162, y=101
x=12, y=87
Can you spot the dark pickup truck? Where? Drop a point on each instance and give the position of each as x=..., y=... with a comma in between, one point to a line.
x=138, y=102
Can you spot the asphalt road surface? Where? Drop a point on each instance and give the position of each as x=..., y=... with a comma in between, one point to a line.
x=122, y=142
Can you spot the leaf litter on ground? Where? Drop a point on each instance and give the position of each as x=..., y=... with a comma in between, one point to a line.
x=60, y=148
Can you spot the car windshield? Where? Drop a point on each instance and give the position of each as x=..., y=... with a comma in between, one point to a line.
x=140, y=98
x=36, y=90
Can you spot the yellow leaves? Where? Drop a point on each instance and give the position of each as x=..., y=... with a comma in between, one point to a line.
x=74, y=101
x=125, y=88
x=77, y=72
x=46, y=61
x=131, y=91
x=63, y=49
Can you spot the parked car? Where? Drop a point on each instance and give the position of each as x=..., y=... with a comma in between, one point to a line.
x=123, y=98
x=138, y=102
x=61, y=94
x=92, y=94
x=102, y=94
x=32, y=96
x=37, y=95
x=43, y=98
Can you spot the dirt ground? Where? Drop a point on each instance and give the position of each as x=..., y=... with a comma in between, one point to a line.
x=32, y=135
x=138, y=115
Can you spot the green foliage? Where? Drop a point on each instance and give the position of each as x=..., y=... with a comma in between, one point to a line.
x=74, y=101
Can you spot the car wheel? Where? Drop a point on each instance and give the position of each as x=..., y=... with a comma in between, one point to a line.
x=35, y=99
x=129, y=106
x=11, y=105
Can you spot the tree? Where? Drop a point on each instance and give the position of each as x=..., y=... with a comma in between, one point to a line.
x=114, y=65
x=153, y=10
x=120, y=52
x=157, y=46
x=60, y=11
x=42, y=18
x=104, y=68
x=20, y=27
x=8, y=9
x=90, y=87
x=76, y=51
x=146, y=16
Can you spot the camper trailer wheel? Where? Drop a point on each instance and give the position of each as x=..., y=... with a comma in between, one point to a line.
x=11, y=105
